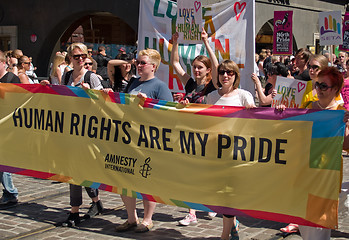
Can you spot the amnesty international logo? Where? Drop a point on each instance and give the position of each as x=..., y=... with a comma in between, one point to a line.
x=145, y=168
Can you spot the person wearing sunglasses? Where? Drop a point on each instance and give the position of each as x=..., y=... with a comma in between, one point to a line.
x=23, y=66
x=146, y=86
x=89, y=66
x=328, y=86
x=77, y=53
x=227, y=78
x=316, y=64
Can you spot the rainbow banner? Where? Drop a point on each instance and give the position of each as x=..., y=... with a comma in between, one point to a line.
x=281, y=166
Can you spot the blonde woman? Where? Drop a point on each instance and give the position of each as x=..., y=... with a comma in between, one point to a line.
x=57, y=69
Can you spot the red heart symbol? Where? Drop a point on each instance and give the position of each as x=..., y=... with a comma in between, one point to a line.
x=238, y=9
x=197, y=5
x=300, y=86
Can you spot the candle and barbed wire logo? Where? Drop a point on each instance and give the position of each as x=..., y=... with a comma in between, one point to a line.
x=330, y=25
x=284, y=23
x=145, y=168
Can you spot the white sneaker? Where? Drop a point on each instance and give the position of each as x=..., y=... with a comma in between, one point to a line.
x=211, y=214
x=189, y=219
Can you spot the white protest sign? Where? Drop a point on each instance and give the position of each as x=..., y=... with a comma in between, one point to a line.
x=189, y=21
x=330, y=24
x=231, y=28
x=289, y=92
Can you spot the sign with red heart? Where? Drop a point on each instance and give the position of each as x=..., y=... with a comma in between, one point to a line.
x=238, y=9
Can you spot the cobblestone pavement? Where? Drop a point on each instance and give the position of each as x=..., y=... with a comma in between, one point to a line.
x=44, y=205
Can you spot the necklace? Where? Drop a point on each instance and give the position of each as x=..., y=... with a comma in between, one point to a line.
x=328, y=107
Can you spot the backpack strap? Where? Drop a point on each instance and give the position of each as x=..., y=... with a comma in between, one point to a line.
x=67, y=76
x=87, y=77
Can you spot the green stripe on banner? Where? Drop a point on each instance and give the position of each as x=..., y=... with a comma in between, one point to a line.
x=86, y=183
x=124, y=191
x=134, y=194
x=324, y=157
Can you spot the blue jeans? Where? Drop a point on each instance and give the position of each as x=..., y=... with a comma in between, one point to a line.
x=9, y=191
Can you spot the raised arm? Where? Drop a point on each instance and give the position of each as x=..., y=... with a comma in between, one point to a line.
x=111, y=68
x=174, y=61
x=263, y=100
x=214, y=60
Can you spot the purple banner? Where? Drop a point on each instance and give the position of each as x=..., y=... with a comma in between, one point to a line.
x=282, y=44
x=345, y=46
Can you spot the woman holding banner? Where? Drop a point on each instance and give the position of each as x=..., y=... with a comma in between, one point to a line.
x=195, y=90
x=77, y=53
x=228, y=94
x=328, y=86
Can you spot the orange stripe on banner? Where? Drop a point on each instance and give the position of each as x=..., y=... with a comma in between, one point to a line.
x=114, y=189
x=327, y=216
x=158, y=199
x=9, y=87
x=60, y=178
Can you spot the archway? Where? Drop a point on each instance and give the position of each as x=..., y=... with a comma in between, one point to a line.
x=97, y=28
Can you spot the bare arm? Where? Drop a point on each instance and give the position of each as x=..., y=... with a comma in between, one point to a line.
x=24, y=78
x=214, y=60
x=263, y=100
x=174, y=61
x=346, y=134
x=59, y=75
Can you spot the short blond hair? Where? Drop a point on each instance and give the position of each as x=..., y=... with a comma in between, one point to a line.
x=80, y=46
x=154, y=56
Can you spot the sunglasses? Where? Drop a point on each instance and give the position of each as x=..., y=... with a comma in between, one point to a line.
x=230, y=73
x=88, y=64
x=322, y=86
x=26, y=63
x=78, y=56
x=314, y=67
x=89, y=51
x=142, y=63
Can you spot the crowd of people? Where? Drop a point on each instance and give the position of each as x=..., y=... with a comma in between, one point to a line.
x=212, y=83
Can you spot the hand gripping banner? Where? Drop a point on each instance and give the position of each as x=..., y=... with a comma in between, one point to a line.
x=281, y=166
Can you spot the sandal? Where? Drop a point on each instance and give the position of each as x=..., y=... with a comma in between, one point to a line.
x=141, y=228
x=290, y=228
x=234, y=231
x=126, y=226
